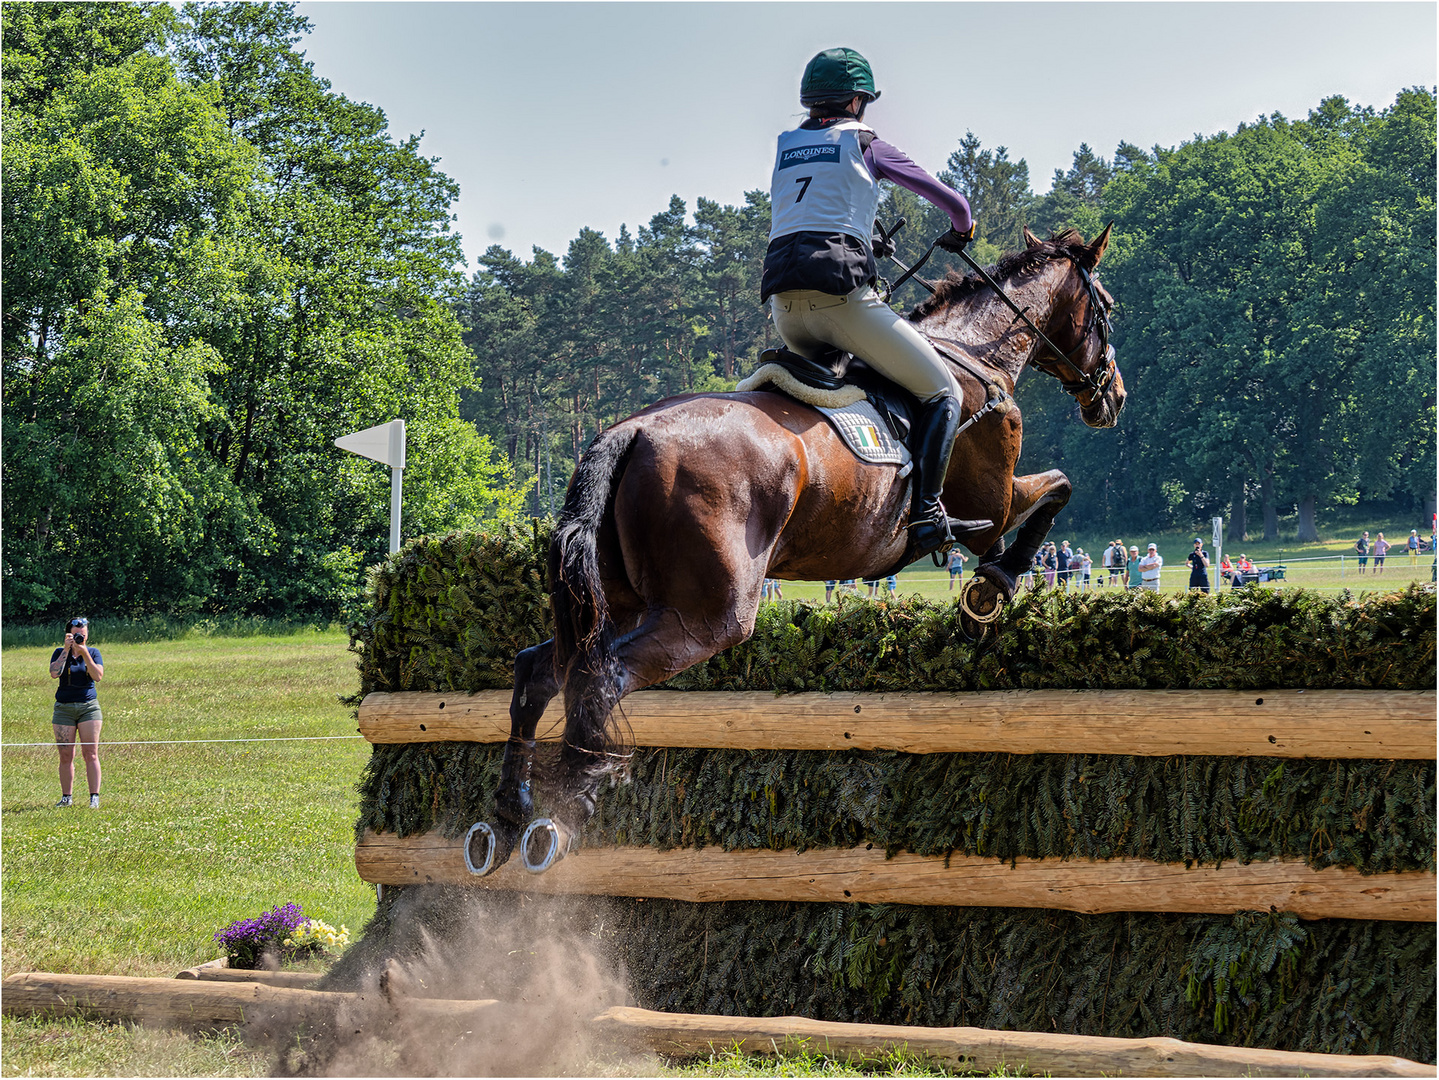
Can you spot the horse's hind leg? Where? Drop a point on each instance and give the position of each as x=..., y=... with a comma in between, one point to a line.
x=665, y=643
x=535, y=685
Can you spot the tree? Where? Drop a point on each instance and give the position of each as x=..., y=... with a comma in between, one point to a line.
x=1249, y=303
x=264, y=253
x=1075, y=198
x=733, y=242
x=124, y=201
x=997, y=189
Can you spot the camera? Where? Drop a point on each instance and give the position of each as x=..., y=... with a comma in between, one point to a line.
x=79, y=639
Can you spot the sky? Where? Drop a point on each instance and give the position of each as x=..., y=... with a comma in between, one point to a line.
x=554, y=117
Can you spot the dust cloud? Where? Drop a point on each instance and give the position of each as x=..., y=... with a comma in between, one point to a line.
x=468, y=985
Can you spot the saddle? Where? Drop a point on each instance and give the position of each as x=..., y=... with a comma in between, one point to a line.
x=835, y=380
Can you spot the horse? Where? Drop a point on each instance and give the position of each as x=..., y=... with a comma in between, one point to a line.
x=675, y=516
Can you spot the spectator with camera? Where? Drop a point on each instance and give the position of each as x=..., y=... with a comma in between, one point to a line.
x=78, y=666
x=1198, y=561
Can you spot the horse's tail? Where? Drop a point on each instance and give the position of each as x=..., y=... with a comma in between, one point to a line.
x=577, y=596
x=584, y=636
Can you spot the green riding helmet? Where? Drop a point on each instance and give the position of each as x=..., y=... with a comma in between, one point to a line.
x=836, y=75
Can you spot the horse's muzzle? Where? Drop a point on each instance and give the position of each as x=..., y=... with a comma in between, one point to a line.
x=1104, y=410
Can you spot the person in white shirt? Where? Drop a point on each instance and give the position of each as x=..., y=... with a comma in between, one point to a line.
x=1106, y=562
x=1149, y=567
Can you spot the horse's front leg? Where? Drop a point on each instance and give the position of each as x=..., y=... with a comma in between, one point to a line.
x=1036, y=501
x=535, y=686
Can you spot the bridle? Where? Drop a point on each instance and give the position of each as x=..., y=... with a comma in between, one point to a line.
x=1079, y=382
x=1071, y=379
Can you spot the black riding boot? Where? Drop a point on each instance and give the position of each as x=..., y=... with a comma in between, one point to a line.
x=933, y=440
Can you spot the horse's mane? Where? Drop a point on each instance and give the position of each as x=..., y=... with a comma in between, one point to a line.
x=955, y=287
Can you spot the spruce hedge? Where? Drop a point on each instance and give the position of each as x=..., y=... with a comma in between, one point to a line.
x=449, y=613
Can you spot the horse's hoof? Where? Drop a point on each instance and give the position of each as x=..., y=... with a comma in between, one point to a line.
x=544, y=843
x=981, y=599
x=488, y=847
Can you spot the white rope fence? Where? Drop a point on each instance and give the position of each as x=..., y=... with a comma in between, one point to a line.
x=190, y=742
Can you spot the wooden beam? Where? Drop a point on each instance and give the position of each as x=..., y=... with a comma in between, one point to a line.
x=294, y=980
x=1262, y=723
x=864, y=875
x=975, y=1050
x=272, y=1014
x=202, y=1004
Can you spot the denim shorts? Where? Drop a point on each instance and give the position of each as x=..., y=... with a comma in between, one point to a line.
x=74, y=713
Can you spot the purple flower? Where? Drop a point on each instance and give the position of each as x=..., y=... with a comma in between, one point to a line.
x=246, y=941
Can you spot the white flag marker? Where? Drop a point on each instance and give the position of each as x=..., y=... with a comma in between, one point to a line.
x=384, y=443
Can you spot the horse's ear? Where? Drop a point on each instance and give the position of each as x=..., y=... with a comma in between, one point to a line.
x=1030, y=240
x=1096, y=250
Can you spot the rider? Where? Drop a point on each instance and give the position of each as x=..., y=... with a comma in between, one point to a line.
x=819, y=271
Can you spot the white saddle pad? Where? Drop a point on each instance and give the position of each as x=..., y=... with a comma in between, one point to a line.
x=866, y=433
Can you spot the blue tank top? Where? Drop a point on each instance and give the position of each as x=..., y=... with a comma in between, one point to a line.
x=75, y=682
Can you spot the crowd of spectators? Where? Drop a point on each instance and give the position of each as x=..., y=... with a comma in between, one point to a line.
x=1064, y=567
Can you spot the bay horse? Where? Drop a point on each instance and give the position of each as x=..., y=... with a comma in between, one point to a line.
x=675, y=516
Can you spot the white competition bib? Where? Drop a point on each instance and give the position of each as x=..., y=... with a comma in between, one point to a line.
x=821, y=183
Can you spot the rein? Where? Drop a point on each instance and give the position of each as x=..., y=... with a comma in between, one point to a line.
x=1081, y=381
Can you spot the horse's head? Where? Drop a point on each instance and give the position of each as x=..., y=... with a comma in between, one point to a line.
x=1079, y=326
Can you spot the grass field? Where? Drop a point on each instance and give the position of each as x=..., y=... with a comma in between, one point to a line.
x=1329, y=566
x=190, y=836
x=194, y=831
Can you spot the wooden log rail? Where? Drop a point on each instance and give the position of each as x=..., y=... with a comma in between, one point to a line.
x=1394, y=724
x=864, y=875
x=199, y=1004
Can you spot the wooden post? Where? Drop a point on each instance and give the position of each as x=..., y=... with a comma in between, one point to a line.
x=1392, y=724
x=294, y=980
x=202, y=1005
x=273, y=1014
x=864, y=875
x=975, y=1050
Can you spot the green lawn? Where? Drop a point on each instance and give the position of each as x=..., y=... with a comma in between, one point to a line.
x=190, y=835
x=1328, y=566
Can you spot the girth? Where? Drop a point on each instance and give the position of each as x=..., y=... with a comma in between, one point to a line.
x=997, y=398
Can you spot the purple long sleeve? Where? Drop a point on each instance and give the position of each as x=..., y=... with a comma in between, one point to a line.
x=889, y=163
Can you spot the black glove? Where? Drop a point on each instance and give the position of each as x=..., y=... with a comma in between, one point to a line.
x=956, y=241
x=883, y=247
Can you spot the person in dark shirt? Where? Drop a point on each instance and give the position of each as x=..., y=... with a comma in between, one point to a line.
x=78, y=666
x=1198, y=561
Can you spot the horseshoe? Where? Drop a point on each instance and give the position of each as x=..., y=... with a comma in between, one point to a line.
x=982, y=620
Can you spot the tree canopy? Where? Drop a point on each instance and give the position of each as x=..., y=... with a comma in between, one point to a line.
x=214, y=265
